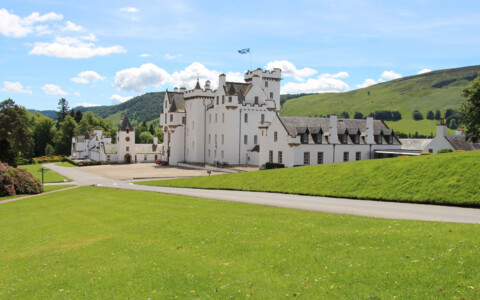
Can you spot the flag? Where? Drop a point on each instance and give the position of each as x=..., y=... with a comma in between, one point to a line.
x=244, y=51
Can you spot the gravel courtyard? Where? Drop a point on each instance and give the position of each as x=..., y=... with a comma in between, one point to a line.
x=141, y=171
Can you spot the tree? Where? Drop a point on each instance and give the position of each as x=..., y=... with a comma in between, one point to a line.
x=417, y=116
x=62, y=109
x=450, y=112
x=358, y=115
x=470, y=110
x=72, y=113
x=43, y=134
x=146, y=138
x=15, y=136
x=345, y=115
x=452, y=124
x=78, y=116
x=49, y=150
x=430, y=115
x=151, y=129
x=396, y=116
x=68, y=129
x=83, y=127
x=438, y=115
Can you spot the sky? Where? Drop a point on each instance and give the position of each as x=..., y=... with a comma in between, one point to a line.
x=106, y=52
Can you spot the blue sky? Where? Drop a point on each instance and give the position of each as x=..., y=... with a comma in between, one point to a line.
x=104, y=52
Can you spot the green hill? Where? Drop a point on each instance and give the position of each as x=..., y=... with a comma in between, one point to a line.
x=448, y=179
x=430, y=91
x=141, y=108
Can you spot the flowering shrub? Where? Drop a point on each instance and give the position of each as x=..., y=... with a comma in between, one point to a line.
x=24, y=182
x=90, y=163
x=48, y=159
x=425, y=153
x=6, y=182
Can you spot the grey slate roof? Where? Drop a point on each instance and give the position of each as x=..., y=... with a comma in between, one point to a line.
x=124, y=124
x=298, y=125
x=177, y=102
x=459, y=142
x=237, y=89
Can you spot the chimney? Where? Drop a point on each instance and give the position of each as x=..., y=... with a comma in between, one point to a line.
x=175, y=89
x=155, y=140
x=441, y=128
x=222, y=79
x=256, y=80
x=333, y=139
x=369, y=138
x=207, y=85
x=183, y=89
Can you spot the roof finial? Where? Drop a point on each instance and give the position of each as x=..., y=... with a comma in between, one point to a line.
x=197, y=86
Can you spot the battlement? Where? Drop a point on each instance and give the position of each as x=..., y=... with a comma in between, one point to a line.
x=273, y=74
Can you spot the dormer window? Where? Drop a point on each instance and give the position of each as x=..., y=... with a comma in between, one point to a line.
x=357, y=139
x=379, y=139
x=256, y=100
x=318, y=138
x=304, y=138
x=344, y=139
x=390, y=139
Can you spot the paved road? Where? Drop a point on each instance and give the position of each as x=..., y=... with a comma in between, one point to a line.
x=379, y=209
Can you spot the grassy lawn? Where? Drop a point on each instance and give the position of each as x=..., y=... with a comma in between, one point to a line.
x=447, y=179
x=49, y=188
x=104, y=243
x=65, y=164
x=50, y=176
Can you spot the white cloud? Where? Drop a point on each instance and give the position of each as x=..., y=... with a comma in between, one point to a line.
x=147, y=75
x=77, y=94
x=325, y=83
x=390, y=75
x=70, y=47
x=70, y=26
x=119, y=99
x=170, y=57
x=15, y=87
x=85, y=104
x=12, y=25
x=144, y=55
x=129, y=9
x=87, y=77
x=368, y=82
x=52, y=89
x=137, y=79
x=423, y=71
x=289, y=69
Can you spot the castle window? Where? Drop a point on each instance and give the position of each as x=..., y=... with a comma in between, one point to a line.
x=223, y=98
x=128, y=130
x=271, y=95
x=108, y=157
x=255, y=140
x=216, y=118
x=245, y=139
x=275, y=136
x=345, y=156
x=246, y=118
x=256, y=100
x=128, y=148
x=145, y=157
x=280, y=157
x=217, y=100
x=262, y=118
x=223, y=118
x=223, y=140
x=266, y=83
x=306, y=158
x=208, y=152
x=171, y=120
x=319, y=158
x=209, y=138
x=230, y=99
x=270, y=156
x=184, y=120
x=358, y=155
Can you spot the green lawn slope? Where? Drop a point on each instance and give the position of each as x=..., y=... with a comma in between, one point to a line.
x=447, y=179
x=430, y=91
x=49, y=176
x=97, y=243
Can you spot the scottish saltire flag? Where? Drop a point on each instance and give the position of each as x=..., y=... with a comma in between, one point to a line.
x=244, y=51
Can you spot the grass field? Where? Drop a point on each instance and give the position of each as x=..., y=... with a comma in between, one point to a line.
x=404, y=94
x=65, y=164
x=49, y=188
x=447, y=179
x=104, y=243
x=50, y=176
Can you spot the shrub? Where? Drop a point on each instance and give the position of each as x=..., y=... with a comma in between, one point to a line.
x=6, y=182
x=358, y=115
x=48, y=159
x=445, y=150
x=24, y=182
x=90, y=163
x=417, y=116
x=270, y=165
x=430, y=115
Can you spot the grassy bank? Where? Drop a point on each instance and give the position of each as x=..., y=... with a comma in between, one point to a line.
x=448, y=179
x=50, y=176
x=103, y=243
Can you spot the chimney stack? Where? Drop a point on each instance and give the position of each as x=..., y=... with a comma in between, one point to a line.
x=183, y=89
x=441, y=129
x=207, y=85
x=369, y=138
x=333, y=138
x=222, y=79
x=175, y=89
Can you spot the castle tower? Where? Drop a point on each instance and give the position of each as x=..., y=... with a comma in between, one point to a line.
x=125, y=141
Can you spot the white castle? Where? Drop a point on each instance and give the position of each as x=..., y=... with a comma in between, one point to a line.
x=239, y=124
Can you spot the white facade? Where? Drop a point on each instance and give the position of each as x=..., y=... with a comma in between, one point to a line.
x=295, y=141
x=442, y=140
x=206, y=126
x=97, y=147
